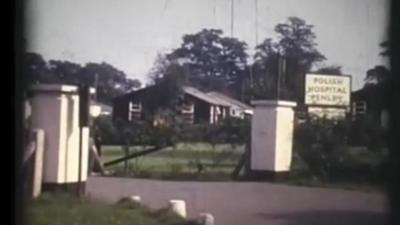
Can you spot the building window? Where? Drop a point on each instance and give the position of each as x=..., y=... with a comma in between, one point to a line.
x=187, y=108
x=135, y=110
x=359, y=108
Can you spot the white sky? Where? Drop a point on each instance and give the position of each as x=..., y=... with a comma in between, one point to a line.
x=129, y=33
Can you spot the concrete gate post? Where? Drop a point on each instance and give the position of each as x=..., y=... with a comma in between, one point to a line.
x=271, y=139
x=55, y=109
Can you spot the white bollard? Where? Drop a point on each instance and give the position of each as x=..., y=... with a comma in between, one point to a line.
x=135, y=198
x=206, y=219
x=178, y=207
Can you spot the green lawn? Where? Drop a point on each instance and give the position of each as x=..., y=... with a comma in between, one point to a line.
x=60, y=209
x=180, y=161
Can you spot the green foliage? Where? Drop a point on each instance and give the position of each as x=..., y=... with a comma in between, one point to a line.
x=105, y=129
x=296, y=44
x=166, y=96
x=329, y=70
x=377, y=75
x=218, y=157
x=110, y=81
x=379, y=84
x=67, y=210
x=170, y=130
x=210, y=61
x=323, y=145
x=176, y=169
x=365, y=132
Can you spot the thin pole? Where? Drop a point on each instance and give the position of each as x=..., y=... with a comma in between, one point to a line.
x=96, y=80
x=256, y=39
x=279, y=76
x=215, y=12
x=256, y=20
x=283, y=70
x=232, y=12
x=80, y=163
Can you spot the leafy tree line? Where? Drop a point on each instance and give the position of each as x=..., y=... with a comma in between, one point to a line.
x=379, y=81
x=110, y=81
x=212, y=61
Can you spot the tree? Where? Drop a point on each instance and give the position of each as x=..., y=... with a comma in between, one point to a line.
x=159, y=68
x=110, y=81
x=377, y=75
x=330, y=70
x=295, y=46
x=66, y=72
x=37, y=69
x=385, y=45
x=379, y=82
x=212, y=61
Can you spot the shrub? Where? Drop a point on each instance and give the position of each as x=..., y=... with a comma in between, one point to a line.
x=367, y=133
x=104, y=127
x=323, y=146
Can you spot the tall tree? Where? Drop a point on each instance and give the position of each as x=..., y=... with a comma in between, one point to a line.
x=66, y=72
x=385, y=45
x=110, y=81
x=212, y=61
x=330, y=70
x=37, y=69
x=377, y=75
x=379, y=82
x=159, y=69
x=297, y=47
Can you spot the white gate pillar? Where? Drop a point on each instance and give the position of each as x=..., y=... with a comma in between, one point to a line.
x=271, y=138
x=55, y=109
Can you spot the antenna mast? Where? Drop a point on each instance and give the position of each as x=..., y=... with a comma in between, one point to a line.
x=232, y=12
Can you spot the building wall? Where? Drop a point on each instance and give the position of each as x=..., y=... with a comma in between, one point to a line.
x=120, y=109
x=201, y=110
x=236, y=112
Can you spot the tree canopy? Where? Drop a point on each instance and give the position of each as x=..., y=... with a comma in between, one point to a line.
x=210, y=60
x=296, y=48
x=330, y=70
x=379, y=82
x=110, y=81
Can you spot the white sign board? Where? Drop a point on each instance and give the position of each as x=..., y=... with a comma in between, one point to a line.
x=327, y=90
x=329, y=113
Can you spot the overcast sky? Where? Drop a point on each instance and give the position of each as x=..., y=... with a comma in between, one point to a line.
x=129, y=33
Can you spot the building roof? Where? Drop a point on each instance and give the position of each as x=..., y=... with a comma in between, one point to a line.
x=229, y=100
x=104, y=107
x=214, y=98
x=205, y=97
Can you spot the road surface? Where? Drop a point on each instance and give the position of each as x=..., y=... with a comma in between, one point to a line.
x=249, y=203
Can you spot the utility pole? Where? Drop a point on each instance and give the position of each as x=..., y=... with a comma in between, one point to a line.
x=96, y=80
x=232, y=15
x=281, y=72
x=256, y=20
x=279, y=76
x=256, y=38
x=215, y=12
